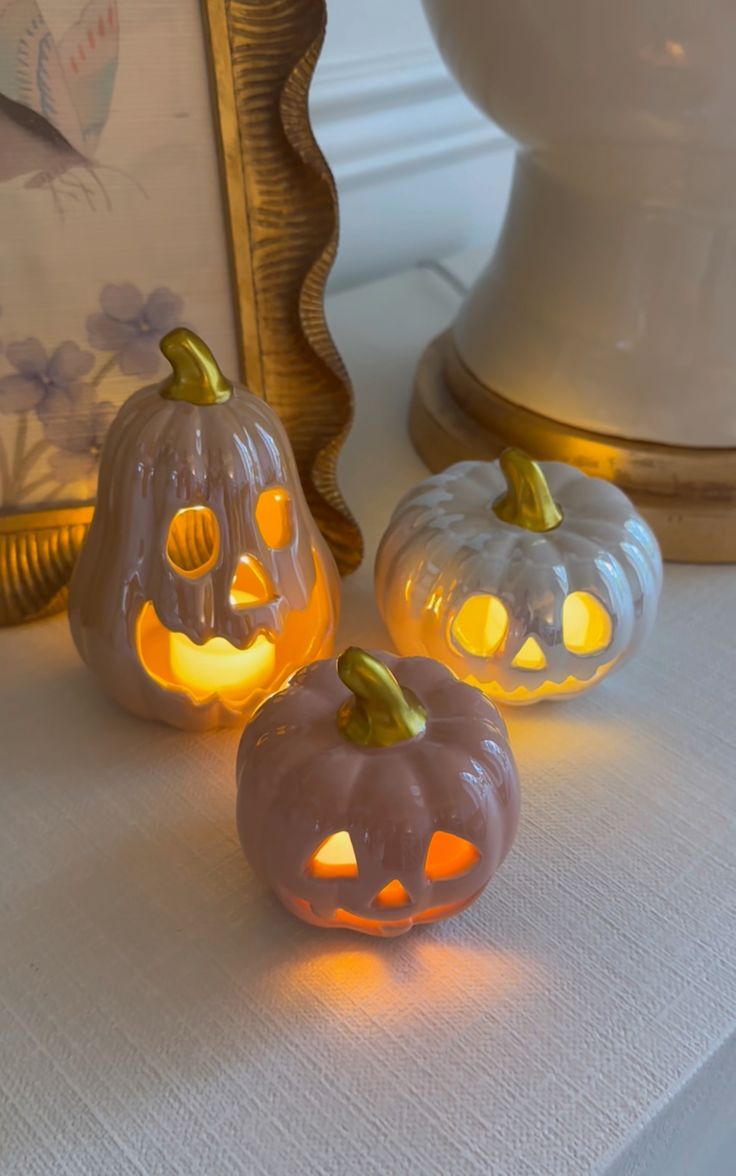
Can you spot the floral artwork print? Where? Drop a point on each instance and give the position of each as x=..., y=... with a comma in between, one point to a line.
x=55, y=97
x=110, y=218
x=60, y=389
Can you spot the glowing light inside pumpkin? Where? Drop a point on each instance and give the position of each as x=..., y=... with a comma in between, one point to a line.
x=393, y=895
x=251, y=584
x=335, y=858
x=273, y=516
x=239, y=676
x=481, y=625
x=524, y=694
x=586, y=626
x=217, y=665
x=383, y=927
x=530, y=656
x=449, y=856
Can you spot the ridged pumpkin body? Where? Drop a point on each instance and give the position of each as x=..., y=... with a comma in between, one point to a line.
x=524, y=614
x=376, y=838
x=204, y=582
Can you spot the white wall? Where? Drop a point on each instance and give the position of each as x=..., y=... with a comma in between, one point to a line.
x=374, y=28
x=419, y=171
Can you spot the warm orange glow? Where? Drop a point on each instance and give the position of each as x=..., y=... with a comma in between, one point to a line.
x=273, y=517
x=393, y=895
x=251, y=584
x=335, y=858
x=586, y=625
x=385, y=928
x=481, y=625
x=569, y=685
x=217, y=666
x=530, y=656
x=193, y=544
x=449, y=856
x=452, y=979
x=241, y=677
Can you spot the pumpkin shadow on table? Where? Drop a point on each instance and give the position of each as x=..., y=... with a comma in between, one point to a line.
x=165, y=931
x=440, y=971
x=584, y=731
x=135, y=897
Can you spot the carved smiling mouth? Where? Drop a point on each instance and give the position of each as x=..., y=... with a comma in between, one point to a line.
x=547, y=689
x=385, y=928
x=219, y=669
x=216, y=667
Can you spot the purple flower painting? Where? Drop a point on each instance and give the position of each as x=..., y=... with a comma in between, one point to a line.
x=54, y=393
x=131, y=326
x=38, y=376
x=76, y=424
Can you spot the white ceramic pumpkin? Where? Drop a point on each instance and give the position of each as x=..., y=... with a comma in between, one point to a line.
x=529, y=580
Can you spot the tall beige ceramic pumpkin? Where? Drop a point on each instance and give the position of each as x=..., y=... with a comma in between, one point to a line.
x=204, y=581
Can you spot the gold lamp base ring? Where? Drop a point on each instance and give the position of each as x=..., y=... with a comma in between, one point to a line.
x=687, y=495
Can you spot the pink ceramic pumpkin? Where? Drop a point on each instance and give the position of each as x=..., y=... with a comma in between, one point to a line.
x=376, y=793
x=204, y=582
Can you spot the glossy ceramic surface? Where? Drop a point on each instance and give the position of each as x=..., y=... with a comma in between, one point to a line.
x=268, y=606
x=445, y=546
x=301, y=781
x=608, y=304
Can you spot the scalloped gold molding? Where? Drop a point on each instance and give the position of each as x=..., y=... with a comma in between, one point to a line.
x=38, y=550
x=284, y=227
x=281, y=206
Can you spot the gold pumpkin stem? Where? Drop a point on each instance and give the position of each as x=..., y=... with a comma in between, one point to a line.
x=196, y=377
x=380, y=713
x=528, y=502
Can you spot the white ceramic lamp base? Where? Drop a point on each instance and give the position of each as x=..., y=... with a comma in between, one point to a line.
x=603, y=329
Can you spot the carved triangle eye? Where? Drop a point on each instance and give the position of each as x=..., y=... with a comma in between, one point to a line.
x=334, y=858
x=449, y=856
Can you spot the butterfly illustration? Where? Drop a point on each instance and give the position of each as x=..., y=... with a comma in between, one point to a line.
x=55, y=96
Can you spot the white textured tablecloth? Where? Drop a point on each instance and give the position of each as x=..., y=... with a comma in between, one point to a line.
x=161, y=1014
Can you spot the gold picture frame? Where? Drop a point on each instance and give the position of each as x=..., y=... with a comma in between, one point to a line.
x=281, y=210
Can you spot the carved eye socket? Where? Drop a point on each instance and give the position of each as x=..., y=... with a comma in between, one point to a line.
x=273, y=517
x=449, y=856
x=334, y=858
x=481, y=625
x=586, y=625
x=193, y=543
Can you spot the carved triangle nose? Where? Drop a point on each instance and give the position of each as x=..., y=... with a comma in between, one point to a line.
x=251, y=584
x=393, y=895
x=530, y=656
